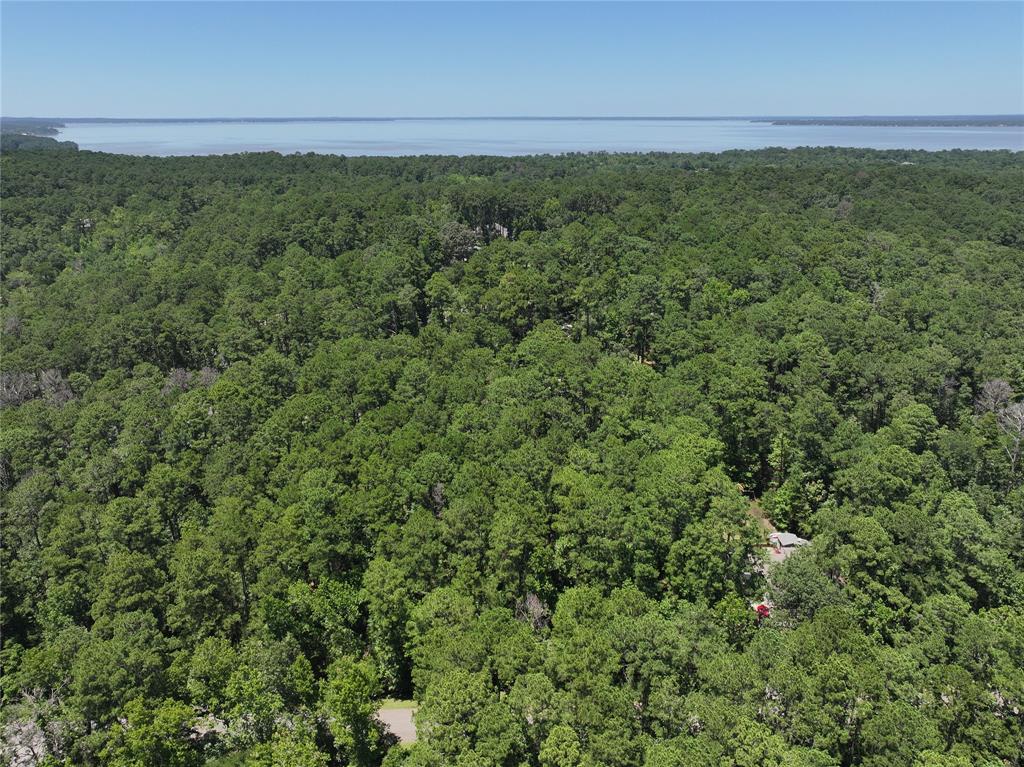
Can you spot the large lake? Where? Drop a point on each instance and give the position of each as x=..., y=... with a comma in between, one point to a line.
x=514, y=136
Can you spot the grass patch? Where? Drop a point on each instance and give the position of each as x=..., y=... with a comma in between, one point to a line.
x=392, y=703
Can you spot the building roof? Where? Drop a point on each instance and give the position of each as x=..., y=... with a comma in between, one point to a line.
x=786, y=539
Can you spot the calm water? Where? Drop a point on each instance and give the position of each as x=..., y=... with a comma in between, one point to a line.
x=515, y=137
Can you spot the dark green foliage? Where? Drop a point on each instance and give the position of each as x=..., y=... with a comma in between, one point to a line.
x=281, y=436
x=10, y=142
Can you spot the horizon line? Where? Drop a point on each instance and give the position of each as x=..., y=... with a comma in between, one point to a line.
x=365, y=118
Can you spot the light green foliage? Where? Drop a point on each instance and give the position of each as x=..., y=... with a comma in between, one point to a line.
x=561, y=748
x=212, y=665
x=152, y=737
x=293, y=744
x=253, y=706
x=348, y=696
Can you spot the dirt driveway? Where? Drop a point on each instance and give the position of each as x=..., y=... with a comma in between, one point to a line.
x=398, y=717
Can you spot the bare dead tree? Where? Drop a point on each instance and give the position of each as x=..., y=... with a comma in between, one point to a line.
x=843, y=208
x=877, y=294
x=178, y=379
x=1011, y=423
x=996, y=397
x=34, y=732
x=530, y=609
x=437, y=497
x=208, y=376
x=12, y=325
x=993, y=396
x=54, y=387
x=16, y=388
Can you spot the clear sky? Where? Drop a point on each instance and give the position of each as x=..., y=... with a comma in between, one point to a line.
x=180, y=59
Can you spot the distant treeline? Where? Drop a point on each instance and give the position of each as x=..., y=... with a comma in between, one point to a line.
x=33, y=126
x=12, y=141
x=949, y=121
x=48, y=126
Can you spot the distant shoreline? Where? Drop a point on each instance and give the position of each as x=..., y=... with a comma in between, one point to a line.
x=514, y=135
x=979, y=121
x=49, y=125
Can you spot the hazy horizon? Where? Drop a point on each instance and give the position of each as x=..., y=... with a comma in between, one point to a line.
x=369, y=118
x=525, y=136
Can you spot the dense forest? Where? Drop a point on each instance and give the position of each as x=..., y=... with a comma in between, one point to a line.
x=10, y=142
x=282, y=437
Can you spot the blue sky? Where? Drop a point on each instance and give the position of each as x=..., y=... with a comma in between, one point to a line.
x=181, y=59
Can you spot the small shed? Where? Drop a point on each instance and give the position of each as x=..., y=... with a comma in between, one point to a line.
x=780, y=541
